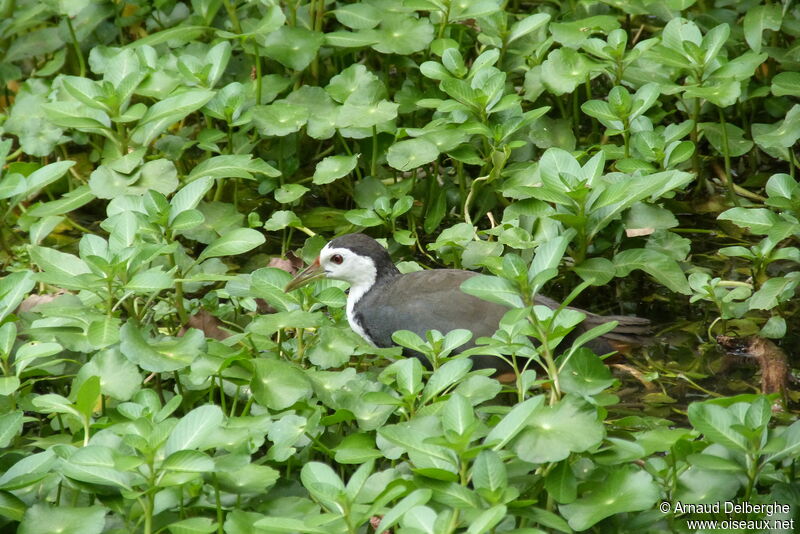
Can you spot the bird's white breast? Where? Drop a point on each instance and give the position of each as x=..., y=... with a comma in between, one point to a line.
x=355, y=294
x=362, y=275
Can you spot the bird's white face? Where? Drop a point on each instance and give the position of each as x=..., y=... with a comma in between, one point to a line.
x=344, y=264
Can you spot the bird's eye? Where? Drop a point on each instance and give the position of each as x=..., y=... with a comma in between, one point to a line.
x=337, y=259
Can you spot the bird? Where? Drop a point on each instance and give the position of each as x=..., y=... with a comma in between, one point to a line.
x=382, y=300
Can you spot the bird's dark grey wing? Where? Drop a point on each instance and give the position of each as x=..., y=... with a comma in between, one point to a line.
x=630, y=330
x=427, y=300
x=432, y=300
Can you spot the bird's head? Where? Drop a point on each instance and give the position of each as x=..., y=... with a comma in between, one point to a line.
x=353, y=258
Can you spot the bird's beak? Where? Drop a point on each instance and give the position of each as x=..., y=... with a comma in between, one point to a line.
x=306, y=276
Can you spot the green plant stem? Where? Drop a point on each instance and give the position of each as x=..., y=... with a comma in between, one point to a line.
x=257, y=61
x=727, y=158
x=694, y=135
x=752, y=476
x=793, y=164
x=445, y=20
x=218, y=504
x=150, y=505
x=373, y=168
x=468, y=200
x=77, y=46
x=231, y=9
x=223, y=402
x=14, y=155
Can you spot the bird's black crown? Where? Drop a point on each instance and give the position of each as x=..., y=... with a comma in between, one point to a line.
x=364, y=245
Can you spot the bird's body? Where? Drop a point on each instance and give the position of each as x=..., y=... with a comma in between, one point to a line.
x=382, y=301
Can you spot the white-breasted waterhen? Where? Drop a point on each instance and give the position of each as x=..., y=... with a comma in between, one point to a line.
x=382, y=300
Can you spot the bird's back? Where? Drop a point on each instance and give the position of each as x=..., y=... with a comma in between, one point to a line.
x=426, y=300
x=433, y=300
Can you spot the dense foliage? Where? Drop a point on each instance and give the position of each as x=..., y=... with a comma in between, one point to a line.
x=630, y=156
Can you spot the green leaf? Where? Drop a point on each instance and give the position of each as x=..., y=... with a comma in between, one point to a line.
x=189, y=196
x=281, y=219
x=193, y=525
x=323, y=484
x=487, y=520
x=35, y=43
x=359, y=39
x=412, y=153
x=194, y=429
x=757, y=220
x=576, y=32
x=8, y=335
x=167, y=112
x=54, y=403
x=119, y=378
x=774, y=328
x=716, y=423
x=287, y=525
x=513, y=423
x=773, y=292
x=288, y=193
x=42, y=518
x=597, y=271
x=401, y=34
x=293, y=47
x=13, y=289
x=236, y=241
x=737, y=145
x=457, y=415
x=602, y=111
x=332, y=168
x=561, y=483
x=88, y=396
x=783, y=134
x=786, y=84
x=175, y=34
x=54, y=261
x=11, y=506
x=722, y=94
x=46, y=175
x=445, y=376
x=279, y=118
x=78, y=116
x=783, y=443
x=758, y=19
x=660, y=266
x=358, y=16
x=553, y=432
x=493, y=289
x=527, y=25
x=150, y=281
x=77, y=198
x=33, y=350
x=333, y=349
x=164, y=355
x=714, y=463
x=94, y=464
x=489, y=472
x=417, y=497
x=547, y=259
x=584, y=374
x=565, y=69
x=232, y=166
x=10, y=427
x=625, y=489
x=278, y=384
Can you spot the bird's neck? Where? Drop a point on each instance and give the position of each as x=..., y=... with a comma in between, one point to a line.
x=367, y=280
x=358, y=289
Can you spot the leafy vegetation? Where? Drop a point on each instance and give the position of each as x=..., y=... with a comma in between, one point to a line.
x=164, y=159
